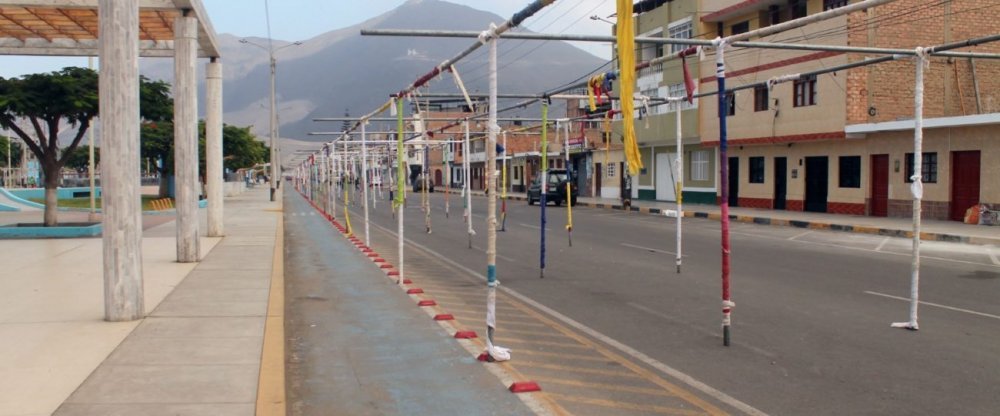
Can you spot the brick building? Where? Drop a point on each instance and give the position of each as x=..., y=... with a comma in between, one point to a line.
x=843, y=142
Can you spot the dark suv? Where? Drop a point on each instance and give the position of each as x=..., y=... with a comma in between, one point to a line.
x=556, y=192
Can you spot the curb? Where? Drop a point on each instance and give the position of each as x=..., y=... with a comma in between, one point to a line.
x=812, y=225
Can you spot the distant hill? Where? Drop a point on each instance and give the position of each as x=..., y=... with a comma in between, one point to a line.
x=342, y=70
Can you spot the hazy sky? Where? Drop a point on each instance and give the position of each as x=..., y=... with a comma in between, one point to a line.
x=302, y=19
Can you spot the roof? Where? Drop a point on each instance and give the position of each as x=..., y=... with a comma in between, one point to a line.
x=69, y=27
x=929, y=123
x=740, y=8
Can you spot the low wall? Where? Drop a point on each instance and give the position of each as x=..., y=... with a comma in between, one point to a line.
x=233, y=188
x=63, y=193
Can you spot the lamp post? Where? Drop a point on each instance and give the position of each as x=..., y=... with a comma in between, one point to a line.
x=274, y=115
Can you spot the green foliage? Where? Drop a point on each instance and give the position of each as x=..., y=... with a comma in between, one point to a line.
x=79, y=158
x=240, y=147
x=15, y=150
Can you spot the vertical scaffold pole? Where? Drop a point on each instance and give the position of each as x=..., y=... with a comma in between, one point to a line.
x=545, y=183
x=917, y=188
x=720, y=75
x=400, y=185
x=680, y=184
x=497, y=353
x=466, y=181
x=364, y=177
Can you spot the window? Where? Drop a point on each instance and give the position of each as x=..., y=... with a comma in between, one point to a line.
x=611, y=170
x=731, y=103
x=679, y=90
x=699, y=165
x=774, y=14
x=757, y=169
x=850, y=171
x=741, y=27
x=760, y=99
x=797, y=8
x=805, y=91
x=928, y=168
x=679, y=30
x=833, y=4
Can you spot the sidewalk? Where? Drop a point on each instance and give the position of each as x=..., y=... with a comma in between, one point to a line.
x=54, y=341
x=932, y=230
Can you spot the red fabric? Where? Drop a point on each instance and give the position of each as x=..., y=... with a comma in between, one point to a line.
x=689, y=84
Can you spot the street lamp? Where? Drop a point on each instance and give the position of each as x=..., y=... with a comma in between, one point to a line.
x=274, y=115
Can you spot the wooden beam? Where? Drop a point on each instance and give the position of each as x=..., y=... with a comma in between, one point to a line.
x=22, y=26
x=77, y=22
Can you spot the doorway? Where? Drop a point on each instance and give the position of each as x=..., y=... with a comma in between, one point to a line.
x=780, y=182
x=880, y=186
x=964, y=182
x=734, y=181
x=817, y=183
x=666, y=177
x=598, y=174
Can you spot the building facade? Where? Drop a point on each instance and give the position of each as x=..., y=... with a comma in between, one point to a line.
x=842, y=142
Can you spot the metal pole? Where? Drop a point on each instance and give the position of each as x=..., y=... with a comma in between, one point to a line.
x=720, y=74
x=468, y=189
x=400, y=201
x=917, y=188
x=274, y=129
x=90, y=166
x=680, y=184
x=491, y=211
x=545, y=185
x=364, y=180
x=503, y=187
x=569, y=187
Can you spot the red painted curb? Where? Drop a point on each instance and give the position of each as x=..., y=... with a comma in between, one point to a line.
x=385, y=266
x=427, y=303
x=407, y=281
x=372, y=254
x=378, y=260
x=524, y=387
x=466, y=334
x=444, y=317
x=395, y=273
x=415, y=291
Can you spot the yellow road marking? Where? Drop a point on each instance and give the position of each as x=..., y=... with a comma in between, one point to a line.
x=532, y=364
x=271, y=385
x=563, y=355
x=678, y=391
x=604, y=386
x=627, y=406
x=501, y=340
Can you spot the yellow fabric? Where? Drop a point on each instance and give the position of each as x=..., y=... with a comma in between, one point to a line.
x=626, y=67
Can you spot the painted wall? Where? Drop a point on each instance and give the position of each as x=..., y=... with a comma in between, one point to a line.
x=63, y=193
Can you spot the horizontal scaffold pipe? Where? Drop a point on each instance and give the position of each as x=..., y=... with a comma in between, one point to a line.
x=674, y=41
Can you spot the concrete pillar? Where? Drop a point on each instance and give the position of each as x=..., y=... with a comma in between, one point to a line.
x=186, y=137
x=119, y=94
x=213, y=146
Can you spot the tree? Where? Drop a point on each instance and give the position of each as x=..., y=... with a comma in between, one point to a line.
x=79, y=158
x=240, y=148
x=70, y=96
x=15, y=152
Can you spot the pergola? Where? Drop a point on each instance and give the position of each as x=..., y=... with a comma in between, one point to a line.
x=118, y=32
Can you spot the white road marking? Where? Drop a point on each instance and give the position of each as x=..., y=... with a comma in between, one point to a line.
x=883, y=243
x=865, y=249
x=796, y=237
x=993, y=255
x=670, y=371
x=698, y=329
x=937, y=305
x=533, y=227
x=655, y=250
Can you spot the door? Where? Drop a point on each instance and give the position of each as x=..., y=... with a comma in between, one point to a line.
x=817, y=180
x=880, y=185
x=734, y=181
x=666, y=177
x=780, y=182
x=964, y=182
x=598, y=174
x=437, y=177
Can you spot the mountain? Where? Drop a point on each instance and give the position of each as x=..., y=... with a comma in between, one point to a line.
x=341, y=69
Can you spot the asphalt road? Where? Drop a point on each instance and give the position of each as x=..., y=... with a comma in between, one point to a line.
x=811, y=328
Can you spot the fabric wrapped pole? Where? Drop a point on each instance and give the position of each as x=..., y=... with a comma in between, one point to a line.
x=545, y=183
x=626, y=68
x=720, y=75
x=400, y=186
x=916, y=188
